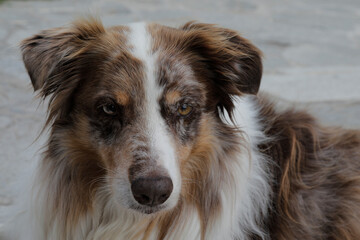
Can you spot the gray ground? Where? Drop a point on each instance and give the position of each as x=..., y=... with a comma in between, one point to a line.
x=311, y=48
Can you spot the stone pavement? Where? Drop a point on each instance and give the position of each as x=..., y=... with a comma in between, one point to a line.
x=311, y=48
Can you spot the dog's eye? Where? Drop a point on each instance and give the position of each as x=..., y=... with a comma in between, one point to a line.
x=109, y=109
x=184, y=109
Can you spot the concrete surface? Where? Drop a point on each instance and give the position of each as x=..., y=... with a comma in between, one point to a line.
x=311, y=48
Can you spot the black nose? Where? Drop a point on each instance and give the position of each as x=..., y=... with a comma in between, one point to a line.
x=151, y=191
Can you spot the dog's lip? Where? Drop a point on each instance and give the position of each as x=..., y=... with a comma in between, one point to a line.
x=151, y=211
x=146, y=209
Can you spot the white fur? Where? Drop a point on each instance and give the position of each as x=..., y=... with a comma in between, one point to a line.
x=245, y=197
x=157, y=131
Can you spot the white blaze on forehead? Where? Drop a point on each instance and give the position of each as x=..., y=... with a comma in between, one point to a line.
x=156, y=129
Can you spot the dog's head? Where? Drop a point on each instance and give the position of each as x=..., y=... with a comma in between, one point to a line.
x=131, y=106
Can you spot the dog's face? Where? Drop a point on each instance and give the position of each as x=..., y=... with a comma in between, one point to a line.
x=133, y=106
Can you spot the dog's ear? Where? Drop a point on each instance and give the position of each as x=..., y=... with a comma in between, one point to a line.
x=49, y=55
x=234, y=61
x=53, y=59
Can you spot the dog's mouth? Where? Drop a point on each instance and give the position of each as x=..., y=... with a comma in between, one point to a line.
x=147, y=209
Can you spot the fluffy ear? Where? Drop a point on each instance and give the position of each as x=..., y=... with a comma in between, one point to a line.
x=48, y=54
x=234, y=61
x=53, y=58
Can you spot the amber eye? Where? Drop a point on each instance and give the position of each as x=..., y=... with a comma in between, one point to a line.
x=184, y=109
x=109, y=109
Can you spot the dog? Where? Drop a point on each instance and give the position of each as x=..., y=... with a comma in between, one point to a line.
x=160, y=133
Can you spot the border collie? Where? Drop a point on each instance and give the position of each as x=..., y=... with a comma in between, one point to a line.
x=160, y=133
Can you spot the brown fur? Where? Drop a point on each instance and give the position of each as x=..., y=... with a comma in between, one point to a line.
x=316, y=173
x=172, y=97
x=317, y=178
x=219, y=49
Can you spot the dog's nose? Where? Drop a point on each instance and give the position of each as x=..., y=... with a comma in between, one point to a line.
x=151, y=191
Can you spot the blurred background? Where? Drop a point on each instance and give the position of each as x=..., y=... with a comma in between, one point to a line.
x=311, y=49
